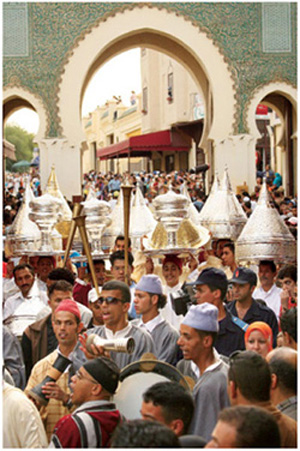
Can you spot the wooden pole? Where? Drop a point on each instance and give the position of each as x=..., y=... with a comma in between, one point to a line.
x=126, y=190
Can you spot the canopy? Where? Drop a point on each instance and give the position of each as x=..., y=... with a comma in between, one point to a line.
x=142, y=145
x=23, y=164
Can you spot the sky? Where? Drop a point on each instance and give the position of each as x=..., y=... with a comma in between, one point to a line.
x=119, y=77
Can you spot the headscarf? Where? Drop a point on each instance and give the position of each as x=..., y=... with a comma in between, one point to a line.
x=264, y=328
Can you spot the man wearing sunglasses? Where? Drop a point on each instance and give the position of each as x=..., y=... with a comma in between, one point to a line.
x=115, y=301
x=95, y=418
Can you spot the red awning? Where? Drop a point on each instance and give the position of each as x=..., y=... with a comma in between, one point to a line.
x=141, y=145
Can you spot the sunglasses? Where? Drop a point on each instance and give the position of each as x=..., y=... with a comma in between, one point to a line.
x=81, y=376
x=109, y=300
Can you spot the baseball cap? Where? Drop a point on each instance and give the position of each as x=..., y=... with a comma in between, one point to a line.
x=244, y=275
x=212, y=276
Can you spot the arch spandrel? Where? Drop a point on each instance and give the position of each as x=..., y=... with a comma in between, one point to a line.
x=16, y=97
x=162, y=30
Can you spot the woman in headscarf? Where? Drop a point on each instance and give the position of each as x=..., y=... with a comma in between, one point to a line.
x=259, y=338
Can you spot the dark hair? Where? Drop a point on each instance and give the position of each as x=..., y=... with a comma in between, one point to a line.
x=223, y=290
x=162, y=300
x=23, y=266
x=60, y=285
x=175, y=402
x=251, y=374
x=62, y=274
x=288, y=271
x=143, y=434
x=120, y=255
x=118, y=285
x=204, y=333
x=255, y=427
x=285, y=371
x=230, y=246
x=288, y=322
x=99, y=261
x=122, y=238
x=269, y=263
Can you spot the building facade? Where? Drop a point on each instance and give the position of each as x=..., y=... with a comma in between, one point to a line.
x=238, y=54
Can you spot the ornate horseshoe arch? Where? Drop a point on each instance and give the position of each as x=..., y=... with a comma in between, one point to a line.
x=284, y=89
x=19, y=97
x=158, y=29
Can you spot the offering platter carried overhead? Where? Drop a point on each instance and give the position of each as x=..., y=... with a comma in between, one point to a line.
x=45, y=213
x=24, y=235
x=225, y=219
x=174, y=233
x=52, y=187
x=97, y=213
x=116, y=226
x=210, y=205
x=265, y=236
x=142, y=221
x=193, y=213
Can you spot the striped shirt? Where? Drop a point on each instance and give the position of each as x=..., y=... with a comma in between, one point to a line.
x=89, y=426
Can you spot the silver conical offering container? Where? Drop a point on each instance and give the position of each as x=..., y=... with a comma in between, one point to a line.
x=117, y=224
x=97, y=213
x=45, y=212
x=265, y=236
x=226, y=221
x=210, y=205
x=238, y=217
x=142, y=221
x=24, y=235
x=193, y=213
x=170, y=210
x=52, y=188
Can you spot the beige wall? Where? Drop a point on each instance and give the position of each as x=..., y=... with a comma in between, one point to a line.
x=100, y=126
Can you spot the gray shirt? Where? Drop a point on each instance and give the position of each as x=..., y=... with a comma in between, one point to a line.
x=143, y=344
x=165, y=337
x=210, y=395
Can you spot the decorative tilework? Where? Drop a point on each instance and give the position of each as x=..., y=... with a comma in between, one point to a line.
x=235, y=28
x=276, y=29
x=15, y=30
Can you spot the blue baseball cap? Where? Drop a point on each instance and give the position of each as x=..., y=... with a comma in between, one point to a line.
x=244, y=275
x=212, y=276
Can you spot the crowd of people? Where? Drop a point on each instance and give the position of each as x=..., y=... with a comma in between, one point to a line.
x=229, y=332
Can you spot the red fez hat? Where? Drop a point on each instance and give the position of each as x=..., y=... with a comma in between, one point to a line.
x=173, y=259
x=68, y=305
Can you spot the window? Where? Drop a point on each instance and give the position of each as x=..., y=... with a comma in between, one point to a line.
x=170, y=87
x=15, y=29
x=276, y=27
